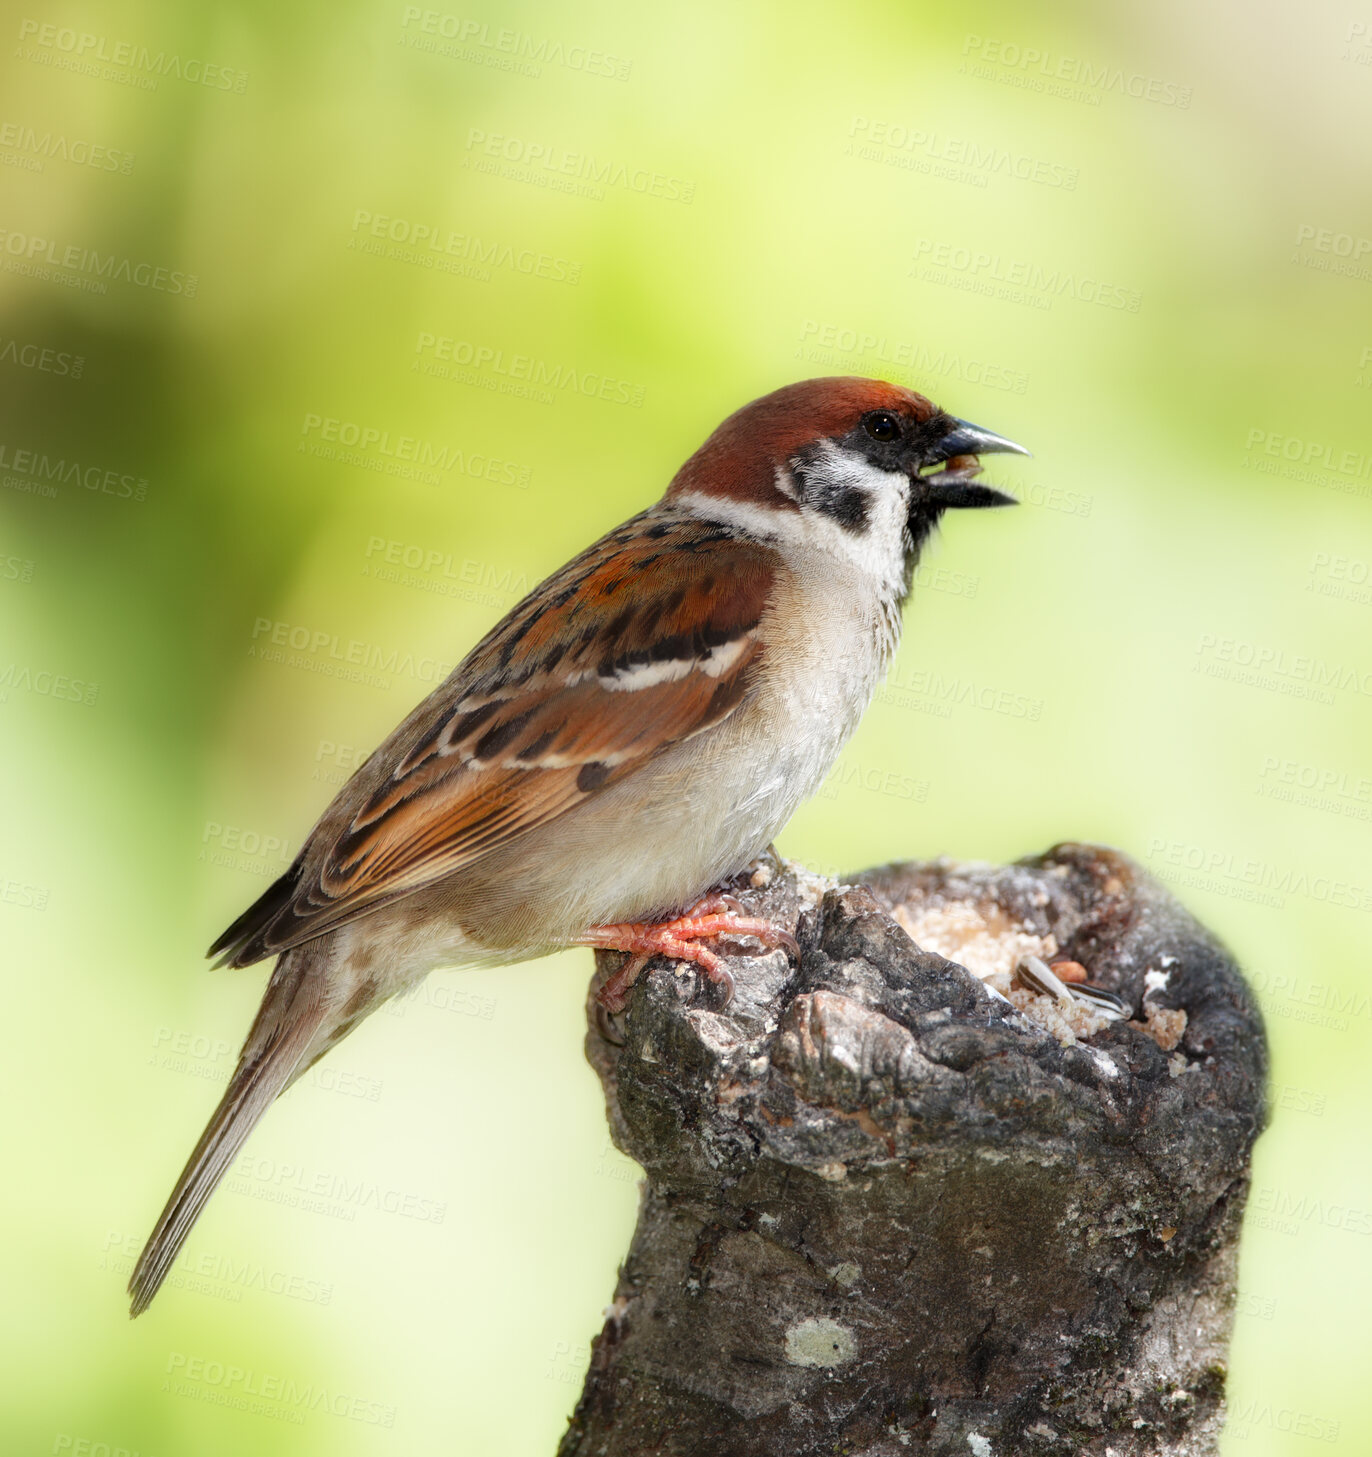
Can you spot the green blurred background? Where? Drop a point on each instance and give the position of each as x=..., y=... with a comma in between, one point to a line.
x=337, y=327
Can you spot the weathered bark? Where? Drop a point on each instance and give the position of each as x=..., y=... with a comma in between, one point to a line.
x=885, y=1213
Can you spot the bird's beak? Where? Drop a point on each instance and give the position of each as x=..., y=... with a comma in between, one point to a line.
x=969, y=439
x=956, y=484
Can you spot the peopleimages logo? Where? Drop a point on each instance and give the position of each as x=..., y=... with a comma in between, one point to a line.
x=41, y=357
x=548, y=164
x=68, y=49
x=820, y=343
x=44, y=472
x=1066, y=76
x=265, y=1394
x=255, y=1173
x=1018, y=280
x=353, y=659
x=425, y=242
x=1263, y=665
x=385, y=557
x=1327, y=250
x=372, y=447
x=1249, y=878
x=921, y=151
x=29, y=254
x=488, y=367
x=45, y=146
x=1307, y=453
x=21, y=678
x=507, y=49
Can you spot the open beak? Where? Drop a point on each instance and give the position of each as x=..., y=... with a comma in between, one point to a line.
x=956, y=484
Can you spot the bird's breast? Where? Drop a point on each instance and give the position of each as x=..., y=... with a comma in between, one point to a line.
x=694, y=814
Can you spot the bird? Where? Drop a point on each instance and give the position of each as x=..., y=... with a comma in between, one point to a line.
x=632, y=733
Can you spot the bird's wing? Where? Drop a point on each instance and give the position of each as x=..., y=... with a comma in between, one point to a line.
x=648, y=637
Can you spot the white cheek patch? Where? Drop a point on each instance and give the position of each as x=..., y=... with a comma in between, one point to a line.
x=879, y=547
x=831, y=470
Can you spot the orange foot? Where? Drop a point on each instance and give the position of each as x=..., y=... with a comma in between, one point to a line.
x=715, y=915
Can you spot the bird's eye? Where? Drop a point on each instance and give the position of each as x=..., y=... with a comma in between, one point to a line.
x=882, y=425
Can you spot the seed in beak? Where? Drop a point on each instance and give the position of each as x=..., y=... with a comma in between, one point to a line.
x=963, y=466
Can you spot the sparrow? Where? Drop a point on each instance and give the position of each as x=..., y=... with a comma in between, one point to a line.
x=630, y=735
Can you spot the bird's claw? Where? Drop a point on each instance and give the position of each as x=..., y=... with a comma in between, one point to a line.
x=713, y=916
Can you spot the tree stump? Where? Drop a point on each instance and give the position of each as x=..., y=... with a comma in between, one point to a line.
x=887, y=1212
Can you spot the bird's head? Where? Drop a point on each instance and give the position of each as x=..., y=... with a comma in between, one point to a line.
x=845, y=457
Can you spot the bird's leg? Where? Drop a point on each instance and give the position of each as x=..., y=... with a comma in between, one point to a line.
x=714, y=915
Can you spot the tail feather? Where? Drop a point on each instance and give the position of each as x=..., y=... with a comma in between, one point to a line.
x=246, y=940
x=287, y=1023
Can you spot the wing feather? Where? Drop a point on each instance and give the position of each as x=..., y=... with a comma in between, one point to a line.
x=580, y=684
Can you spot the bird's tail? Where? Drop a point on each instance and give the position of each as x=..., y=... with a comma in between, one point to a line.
x=276, y=1051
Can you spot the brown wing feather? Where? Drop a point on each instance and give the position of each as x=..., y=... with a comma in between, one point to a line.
x=567, y=695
